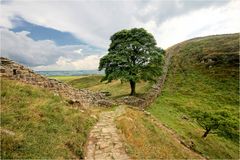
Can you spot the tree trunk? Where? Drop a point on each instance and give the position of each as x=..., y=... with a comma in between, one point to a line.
x=133, y=86
x=206, y=133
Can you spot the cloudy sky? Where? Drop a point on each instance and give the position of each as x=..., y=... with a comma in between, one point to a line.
x=74, y=34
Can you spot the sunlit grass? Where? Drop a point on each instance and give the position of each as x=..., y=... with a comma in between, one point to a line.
x=43, y=125
x=65, y=78
x=115, y=88
x=193, y=85
x=144, y=140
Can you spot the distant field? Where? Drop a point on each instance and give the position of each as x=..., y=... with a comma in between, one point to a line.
x=65, y=78
x=93, y=82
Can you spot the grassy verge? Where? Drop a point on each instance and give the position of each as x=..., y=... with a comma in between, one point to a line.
x=37, y=124
x=144, y=140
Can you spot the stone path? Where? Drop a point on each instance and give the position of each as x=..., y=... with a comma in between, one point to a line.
x=104, y=141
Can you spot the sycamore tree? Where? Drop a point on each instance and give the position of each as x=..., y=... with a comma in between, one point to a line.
x=133, y=55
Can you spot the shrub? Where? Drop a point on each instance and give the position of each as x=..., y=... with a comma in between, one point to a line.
x=222, y=122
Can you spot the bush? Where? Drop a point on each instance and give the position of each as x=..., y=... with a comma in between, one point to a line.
x=222, y=122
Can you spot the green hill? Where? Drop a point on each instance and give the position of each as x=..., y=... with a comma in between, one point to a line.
x=35, y=123
x=203, y=76
x=93, y=83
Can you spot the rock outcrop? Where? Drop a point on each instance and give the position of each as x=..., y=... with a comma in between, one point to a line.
x=84, y=98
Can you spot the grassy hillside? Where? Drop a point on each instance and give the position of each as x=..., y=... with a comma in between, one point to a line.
x=145, y=140
x=93, y=82
x=203, y=75
x=37, y=124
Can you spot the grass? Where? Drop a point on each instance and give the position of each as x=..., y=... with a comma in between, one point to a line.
x=93, y=83
x=203, y=76
x=65, y=78
x=192, y=85
x=118, y=89
x=177, y=101
x=144, y=140
x=37, y=124
x=87, y=81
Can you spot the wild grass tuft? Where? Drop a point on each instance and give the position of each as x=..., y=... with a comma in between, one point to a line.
x=37, y=124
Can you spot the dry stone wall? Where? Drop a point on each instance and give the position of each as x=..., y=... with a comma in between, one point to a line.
x=84, y=98
x=151, y=95
x=155, y=90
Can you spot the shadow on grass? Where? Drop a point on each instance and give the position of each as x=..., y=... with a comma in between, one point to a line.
x=138, y=95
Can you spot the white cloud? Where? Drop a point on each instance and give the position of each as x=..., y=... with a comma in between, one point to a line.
x=91, y=21
x=95, y=21
x=21, y=48
x=79, y=51
x=87, y=63
x=201, y=22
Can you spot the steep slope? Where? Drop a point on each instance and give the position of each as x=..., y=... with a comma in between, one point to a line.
x=203, y=75
x=35, y=123
x=146, y=138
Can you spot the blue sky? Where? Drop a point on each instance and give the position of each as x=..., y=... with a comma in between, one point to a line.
x=38, y=32
x=74, y=35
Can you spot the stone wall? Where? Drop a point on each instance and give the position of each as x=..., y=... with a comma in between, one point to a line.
x=149, y=97
x=145, y=100
x=84, y=98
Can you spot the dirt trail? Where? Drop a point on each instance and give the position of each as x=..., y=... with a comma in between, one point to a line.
x=104, y=141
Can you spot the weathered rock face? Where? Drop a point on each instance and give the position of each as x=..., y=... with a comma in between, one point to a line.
x=84, y=98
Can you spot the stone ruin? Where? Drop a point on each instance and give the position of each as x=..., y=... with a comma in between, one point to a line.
x=82, y=97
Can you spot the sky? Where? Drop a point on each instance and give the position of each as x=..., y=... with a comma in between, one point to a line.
x=75, y=34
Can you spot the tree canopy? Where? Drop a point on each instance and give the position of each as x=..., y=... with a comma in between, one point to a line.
x=133, y=55
x=221, y=121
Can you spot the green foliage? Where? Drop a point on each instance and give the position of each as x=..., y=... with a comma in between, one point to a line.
x=219, y=120
x=229, y=125
x=132, y=56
